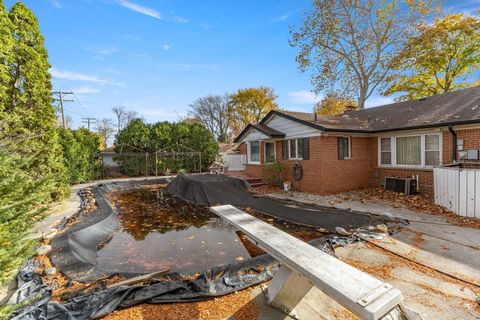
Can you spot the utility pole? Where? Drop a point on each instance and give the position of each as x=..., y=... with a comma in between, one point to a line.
x=88, y=121
x=60, y=98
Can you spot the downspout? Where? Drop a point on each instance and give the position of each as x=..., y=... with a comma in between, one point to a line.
x=454, y=144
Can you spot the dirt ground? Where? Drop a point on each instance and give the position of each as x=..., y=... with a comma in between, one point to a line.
x=238, y=305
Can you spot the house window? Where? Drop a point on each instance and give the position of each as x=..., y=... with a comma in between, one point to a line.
x=269, y=152
x=409, y=151
x=254, y=152
x=432, y=149
x=295, y=149
x=385, y=151
x=423, y=150
x=343, y=144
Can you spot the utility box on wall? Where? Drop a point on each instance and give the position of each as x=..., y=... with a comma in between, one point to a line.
x=472, y=154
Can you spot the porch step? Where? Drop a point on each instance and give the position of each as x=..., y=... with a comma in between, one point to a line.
x=255, y=182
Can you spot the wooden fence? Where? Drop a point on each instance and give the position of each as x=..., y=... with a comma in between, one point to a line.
x=458, y=190
x=235, y=162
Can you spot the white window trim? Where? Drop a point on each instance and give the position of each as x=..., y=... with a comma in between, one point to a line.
x=296, y=147
x=380, y=152
x=393, y=150
x=349, y=147
x=274, y=151
x=249, y=153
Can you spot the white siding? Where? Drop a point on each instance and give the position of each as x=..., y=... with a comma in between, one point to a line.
x=291, y=128
x=253, y=135
x=458, y=190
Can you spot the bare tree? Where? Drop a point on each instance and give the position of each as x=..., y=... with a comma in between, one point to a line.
x=120, y=114
x=215, y=113
x=124, y=117
x=105, y=129
x=350, y=44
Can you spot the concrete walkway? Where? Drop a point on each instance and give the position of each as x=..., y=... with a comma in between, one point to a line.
x=445, y=289
x=428, y=240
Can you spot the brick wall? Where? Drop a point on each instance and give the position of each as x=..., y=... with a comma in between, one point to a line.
x=323, y=173
x=471, y=139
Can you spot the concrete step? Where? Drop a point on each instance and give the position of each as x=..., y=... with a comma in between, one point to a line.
x=256, y=184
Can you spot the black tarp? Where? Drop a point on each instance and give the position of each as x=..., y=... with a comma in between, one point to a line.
x=211, y=189
x=74, y=251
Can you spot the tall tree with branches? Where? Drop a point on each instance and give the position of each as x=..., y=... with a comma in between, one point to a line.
x=215, y=113
x=105, y=130
x=443, y=57
x=250, y=105
x=349, y=45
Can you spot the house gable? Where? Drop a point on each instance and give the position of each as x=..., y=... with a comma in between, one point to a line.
x=253, y=134
x=291, y=128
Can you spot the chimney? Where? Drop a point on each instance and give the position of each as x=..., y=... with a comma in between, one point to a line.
x=349, y=108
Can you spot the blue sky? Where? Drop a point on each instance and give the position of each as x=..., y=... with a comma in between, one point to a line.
x=156, y=57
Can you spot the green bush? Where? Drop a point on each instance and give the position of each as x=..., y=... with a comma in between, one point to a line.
x=140, y=138
x=273, y=171
x=79, y=147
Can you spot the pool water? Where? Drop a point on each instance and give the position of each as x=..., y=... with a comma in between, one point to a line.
x=155, y=236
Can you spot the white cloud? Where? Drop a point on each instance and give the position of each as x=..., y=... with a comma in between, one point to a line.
x=378, y=101
x=74, y=76
x=303, y=97
x=283, y=17
x=166, y=47
x=103, y=51
x=85, y=90
x=56, y=4
x=180, y=19
x=140, y=9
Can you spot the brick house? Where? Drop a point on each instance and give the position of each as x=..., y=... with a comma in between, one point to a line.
x=361, y=148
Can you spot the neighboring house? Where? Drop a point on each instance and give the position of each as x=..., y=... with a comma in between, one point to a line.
x=361, y=148
x=227, y=148
x=107, y=156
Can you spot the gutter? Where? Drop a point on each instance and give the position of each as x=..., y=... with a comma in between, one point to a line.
x=454, y=144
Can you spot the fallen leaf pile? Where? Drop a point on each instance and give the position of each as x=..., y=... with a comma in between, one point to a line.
x=420, y=203
x=238, y=305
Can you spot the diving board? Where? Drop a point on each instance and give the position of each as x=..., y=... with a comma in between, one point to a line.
x=304, y=266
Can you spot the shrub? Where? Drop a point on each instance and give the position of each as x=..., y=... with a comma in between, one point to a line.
x=273, y=171
x=79, y=147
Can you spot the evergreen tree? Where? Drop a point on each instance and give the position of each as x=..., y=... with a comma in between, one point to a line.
x=29, y=101
x=19, y=194
x=6, y=46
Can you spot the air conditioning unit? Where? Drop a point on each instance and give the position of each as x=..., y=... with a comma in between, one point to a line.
x=404, y=185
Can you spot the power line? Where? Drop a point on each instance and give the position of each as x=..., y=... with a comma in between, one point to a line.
x=61, y=95
x=88, y=120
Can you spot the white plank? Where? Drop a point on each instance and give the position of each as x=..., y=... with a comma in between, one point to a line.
x=344, y=283
x=455, y=198
x=462, y=193
x=470, y=193
x=477, y=194
x=235, y=162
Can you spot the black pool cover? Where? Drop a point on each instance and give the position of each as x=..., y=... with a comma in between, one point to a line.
x=74, y=252
x=213, y=189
